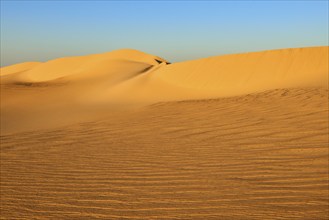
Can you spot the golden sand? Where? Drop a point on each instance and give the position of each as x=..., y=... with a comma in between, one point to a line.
x=125, y=135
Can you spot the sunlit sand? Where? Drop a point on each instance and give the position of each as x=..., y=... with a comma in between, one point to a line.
x=126, y=134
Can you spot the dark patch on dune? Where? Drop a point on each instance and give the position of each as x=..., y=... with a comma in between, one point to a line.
x=146, y=69
x=159, y=61
x=37, y=84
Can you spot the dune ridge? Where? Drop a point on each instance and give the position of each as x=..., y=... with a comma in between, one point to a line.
x=231, y=75
x=86, y=86
x=64, y=67
x=218, y=76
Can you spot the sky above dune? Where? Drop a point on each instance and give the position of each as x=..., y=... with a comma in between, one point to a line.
x=175, y=30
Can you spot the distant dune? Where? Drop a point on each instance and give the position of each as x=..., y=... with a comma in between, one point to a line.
x=218, y=76
x=73, y=89
x=221, y=74
x=127, y=135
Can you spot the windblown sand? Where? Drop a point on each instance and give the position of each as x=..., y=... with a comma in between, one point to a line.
x=120, y=136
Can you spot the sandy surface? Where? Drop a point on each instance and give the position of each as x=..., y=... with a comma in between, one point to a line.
x=123, y=136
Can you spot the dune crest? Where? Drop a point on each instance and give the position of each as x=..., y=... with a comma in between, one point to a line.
x=93, y=64
x=226, y=75
x=250, y=72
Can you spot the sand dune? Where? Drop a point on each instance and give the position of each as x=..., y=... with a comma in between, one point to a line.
x=230, y=75
x=126, y=135
x=74, y=88
x=212, y=77
x=251, y=72
x=91, y=64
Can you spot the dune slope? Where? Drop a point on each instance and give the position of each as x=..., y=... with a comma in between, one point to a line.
x=21, y=67
x=259, y=156
x=236, y=74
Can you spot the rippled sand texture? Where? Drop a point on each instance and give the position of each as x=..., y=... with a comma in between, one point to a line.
x=259, y=156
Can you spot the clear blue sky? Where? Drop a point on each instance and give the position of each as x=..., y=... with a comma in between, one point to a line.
x=175, y=30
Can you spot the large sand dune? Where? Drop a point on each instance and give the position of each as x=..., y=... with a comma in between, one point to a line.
x=219, y=76
x=74, y=89
x=126, y=135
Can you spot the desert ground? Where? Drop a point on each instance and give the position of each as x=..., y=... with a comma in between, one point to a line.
x=129, y=135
